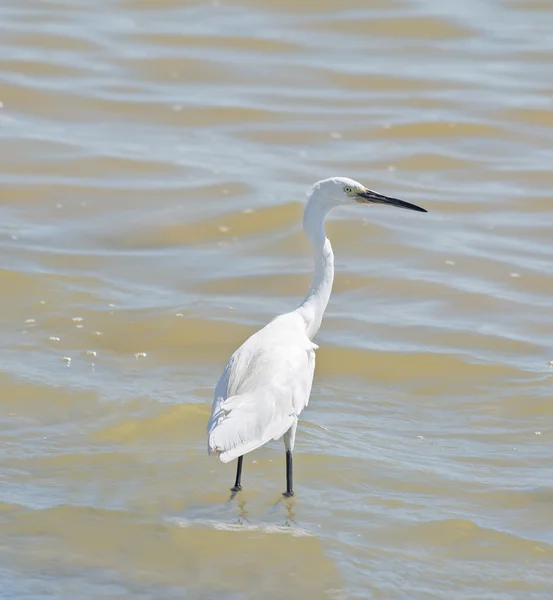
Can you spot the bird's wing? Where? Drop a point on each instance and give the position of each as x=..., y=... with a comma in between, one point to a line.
x=263, y=389
x=245, y=423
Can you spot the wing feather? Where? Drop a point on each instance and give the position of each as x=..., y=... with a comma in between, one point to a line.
x=263, y=389
x=245, y=423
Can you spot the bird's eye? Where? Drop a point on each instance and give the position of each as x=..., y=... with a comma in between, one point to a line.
x=348, y=190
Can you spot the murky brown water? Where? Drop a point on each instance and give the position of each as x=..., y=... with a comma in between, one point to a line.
x=154, y=157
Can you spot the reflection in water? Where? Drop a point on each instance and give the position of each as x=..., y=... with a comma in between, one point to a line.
x=290, y=520
x=243, y=516
x=154, y=157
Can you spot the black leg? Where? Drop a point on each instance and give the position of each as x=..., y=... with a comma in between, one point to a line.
x=237, y=484
x=289, y=491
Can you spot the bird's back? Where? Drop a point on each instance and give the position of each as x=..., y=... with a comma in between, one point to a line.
x=264, y=387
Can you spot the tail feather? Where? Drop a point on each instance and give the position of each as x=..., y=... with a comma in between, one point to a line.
x=238, y=426
x=237, y=451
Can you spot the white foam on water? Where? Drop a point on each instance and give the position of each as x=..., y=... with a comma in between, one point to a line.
x=225, y=526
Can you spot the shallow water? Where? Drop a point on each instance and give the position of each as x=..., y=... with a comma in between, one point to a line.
x=154, y=160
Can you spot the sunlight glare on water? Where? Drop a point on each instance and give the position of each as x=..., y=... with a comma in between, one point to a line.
x=155, y=157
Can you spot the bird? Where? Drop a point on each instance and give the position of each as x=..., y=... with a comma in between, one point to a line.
x=267, y=381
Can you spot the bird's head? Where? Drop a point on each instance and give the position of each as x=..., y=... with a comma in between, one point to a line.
x=338, y=191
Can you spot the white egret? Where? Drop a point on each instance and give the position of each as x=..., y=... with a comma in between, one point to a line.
x=267, y=381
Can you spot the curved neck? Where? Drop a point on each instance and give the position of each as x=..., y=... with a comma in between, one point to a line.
x=314, y=305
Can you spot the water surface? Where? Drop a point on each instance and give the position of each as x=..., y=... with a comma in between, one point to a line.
x=154, y=160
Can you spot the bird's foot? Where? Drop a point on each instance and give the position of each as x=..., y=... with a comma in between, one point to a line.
x=236, y=489
x=288, y=493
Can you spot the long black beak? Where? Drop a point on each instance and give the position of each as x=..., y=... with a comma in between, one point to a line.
x=370, y=196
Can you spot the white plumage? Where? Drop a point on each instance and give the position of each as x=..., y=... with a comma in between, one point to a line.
x=267, y=382
x=263, y=389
